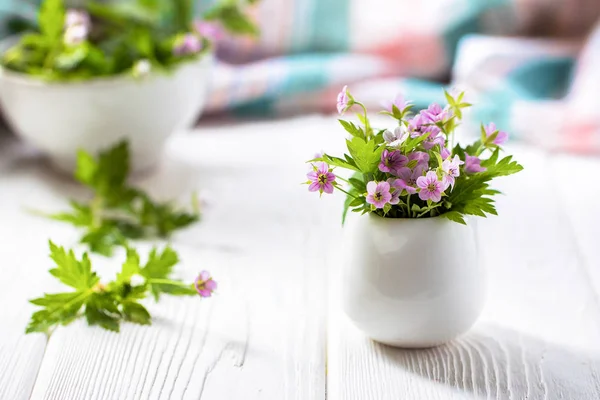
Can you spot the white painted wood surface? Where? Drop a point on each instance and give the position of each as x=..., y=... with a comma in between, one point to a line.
x=274, y=331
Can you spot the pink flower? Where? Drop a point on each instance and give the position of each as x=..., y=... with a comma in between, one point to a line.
x=395, y=139
x=187, y=44
x=431, y=141
x=435, y=113
x=445, y=153
x=472, y=164
x=451, y=169
x=391, y=161
x=211, y=30
x=419, y=125
x=343, y=100
x=321, y=179
x=500, y=139
x=205, y=285
x=398, y=102
x=431, y=187
x=396, y=193
x=378, y=193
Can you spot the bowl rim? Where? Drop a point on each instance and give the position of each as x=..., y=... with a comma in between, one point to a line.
x=100, y=81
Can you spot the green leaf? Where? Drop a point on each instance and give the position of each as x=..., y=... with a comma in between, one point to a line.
x=52, y=19
x=70, y=271
x=80, y=216
x=232, y=18
x=454, y=216
x=358, y=184
x=130, y=267
x=352, y=129
x=365, y=154
x=136, y=313
x=60, y=308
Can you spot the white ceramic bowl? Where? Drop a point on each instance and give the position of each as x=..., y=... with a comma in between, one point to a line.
x=412, y=282
x=60, y=118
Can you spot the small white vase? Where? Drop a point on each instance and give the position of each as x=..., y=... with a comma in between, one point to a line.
x=411, y=282
x=59, y=118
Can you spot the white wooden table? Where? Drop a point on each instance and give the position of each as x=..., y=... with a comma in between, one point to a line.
x=275, y=331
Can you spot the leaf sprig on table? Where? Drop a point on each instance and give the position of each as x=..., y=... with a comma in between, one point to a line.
x=118, y=212
x=107, y=305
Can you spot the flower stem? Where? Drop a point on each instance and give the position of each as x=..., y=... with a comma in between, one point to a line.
x=408, y=205
x=367, y=125
x=168, y=282
x=342, y=190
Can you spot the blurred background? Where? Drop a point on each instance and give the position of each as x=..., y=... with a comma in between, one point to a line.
x=520, y=60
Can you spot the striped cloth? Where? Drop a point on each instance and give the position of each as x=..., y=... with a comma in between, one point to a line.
x=310, y=48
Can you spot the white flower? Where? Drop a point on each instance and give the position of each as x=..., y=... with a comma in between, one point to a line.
x=142, y=68
x=75, y=34
x=396, y=138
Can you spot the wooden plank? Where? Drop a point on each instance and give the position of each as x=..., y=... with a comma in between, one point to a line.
x=24, y=263
x=539, y=335
x=263, y=334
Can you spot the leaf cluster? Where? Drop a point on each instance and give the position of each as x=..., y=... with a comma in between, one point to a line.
x=105, y=305
x=119, y=212
x=123, y=33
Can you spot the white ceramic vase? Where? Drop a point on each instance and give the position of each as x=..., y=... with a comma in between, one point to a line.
x=411, y=282
x=59, y=118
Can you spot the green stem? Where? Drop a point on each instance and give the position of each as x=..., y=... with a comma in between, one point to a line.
x=367, y=125
x=96, y=210
x=342, y=190
x=408, y=205
x=339, y=177
x=168, y=282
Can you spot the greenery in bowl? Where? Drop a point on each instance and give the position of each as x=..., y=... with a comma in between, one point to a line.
x=106, y=39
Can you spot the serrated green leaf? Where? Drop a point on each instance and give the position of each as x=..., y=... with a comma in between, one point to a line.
x=454, y=216
x=52, y=19
x=71, y=271
x=365, y=154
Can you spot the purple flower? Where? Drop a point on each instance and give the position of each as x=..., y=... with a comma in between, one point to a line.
x=421, y=157
x=435, y=113
x=395, y=139
x=434, y=140
x=187, y=44
x=321, y=179
x=210, y=30
x=378, y=193
x=343, y=100
x=431, y=187
x=391, y=161
x=451, y=169
x=419, y=125
x=77, y=17
x=205, y=285
x=472, y=164
x=501, y=138
x=408, y=178
x=445, y=153
x=398, y=102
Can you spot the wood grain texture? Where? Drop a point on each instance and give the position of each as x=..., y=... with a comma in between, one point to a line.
x=539, y=336
x=270, y=333
x=261, y=337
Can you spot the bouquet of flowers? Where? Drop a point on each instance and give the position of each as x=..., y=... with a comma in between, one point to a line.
x=107, y=39
x=414, y=170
